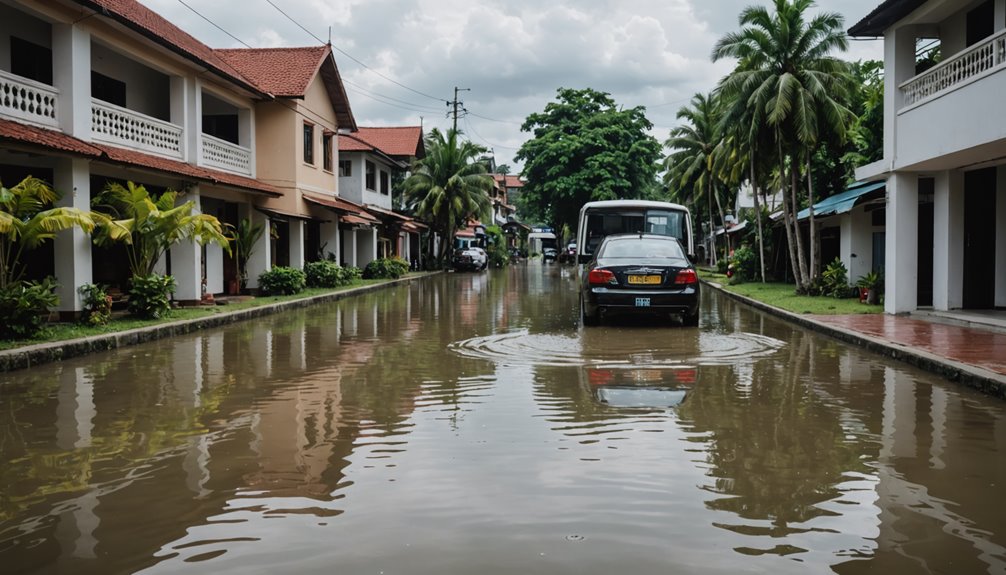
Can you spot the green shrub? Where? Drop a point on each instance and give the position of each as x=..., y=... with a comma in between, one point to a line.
x=24, y=307
x=328, y=274
x=835, y=280
x=97, y=304
x=282, y=280
x=744, y=262
x=386, y=268
x=150, y=296
x=721, y=265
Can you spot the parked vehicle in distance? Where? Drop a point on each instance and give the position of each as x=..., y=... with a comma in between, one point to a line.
x=569, y=254
x=471, y=258
x=550, y=254
x=640, y=273
x=539, y=241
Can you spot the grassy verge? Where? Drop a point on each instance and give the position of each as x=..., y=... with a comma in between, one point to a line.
x=784, y=296
x=67, y=331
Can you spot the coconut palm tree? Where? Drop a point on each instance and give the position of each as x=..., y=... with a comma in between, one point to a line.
x=690, y=164
x=788, y=81
x=449, y=186
x=26, y=222
x=149, y=224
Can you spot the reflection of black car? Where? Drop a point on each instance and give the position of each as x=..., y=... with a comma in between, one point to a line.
x=640, y=274
x=640, y=387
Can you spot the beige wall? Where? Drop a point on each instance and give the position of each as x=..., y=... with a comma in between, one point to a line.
x=317, y=109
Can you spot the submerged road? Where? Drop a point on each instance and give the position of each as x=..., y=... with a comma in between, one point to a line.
x=466, y=423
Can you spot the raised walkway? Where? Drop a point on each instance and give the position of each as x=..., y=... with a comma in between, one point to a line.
x=966, y=347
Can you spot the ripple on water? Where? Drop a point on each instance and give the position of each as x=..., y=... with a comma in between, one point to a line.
x=543, y=349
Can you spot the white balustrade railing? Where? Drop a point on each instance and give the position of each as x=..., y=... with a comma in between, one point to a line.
x=121, y=127
x=956, y=71
x=223, y=155
x=28, y=100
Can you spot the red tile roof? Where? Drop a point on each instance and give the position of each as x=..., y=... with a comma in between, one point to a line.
x=398, y=142
x=37, y=137
x=347, y=209
x=150, y=24
x=285, y=72
x=511, y=181
x=288, y=72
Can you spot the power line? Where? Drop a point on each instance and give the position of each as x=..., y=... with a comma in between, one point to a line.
x=353, y=58
x=495, y=120
x=393, y=105
x=414, y=107
x=487, y=142
x=214, y=24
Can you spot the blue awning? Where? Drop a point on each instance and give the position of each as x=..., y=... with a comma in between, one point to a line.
x=844, y=202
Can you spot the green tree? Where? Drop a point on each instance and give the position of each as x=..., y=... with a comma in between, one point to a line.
x=691, y=174
x=149, y=224
x=449, y=185
x=787, y=79
x=584, y=148
x=27, y=221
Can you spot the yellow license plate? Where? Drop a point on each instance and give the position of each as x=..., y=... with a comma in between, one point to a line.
x=644, y=280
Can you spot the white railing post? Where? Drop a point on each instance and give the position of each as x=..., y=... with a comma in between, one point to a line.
x=956, y=71
x=28, y=100
x=224, y=155
x=121, y=127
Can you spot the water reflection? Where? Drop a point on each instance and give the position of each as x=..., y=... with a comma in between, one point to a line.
x=467, y=423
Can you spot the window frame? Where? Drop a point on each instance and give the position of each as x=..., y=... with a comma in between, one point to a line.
x=326, y=151
x=308, y=143
x=384, y=181
x=348, y=171
x=370, y=175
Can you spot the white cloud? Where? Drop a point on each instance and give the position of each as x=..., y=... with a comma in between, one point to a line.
x=512, y=56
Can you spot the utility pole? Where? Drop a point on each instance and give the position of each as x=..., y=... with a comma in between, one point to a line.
x=456, y=103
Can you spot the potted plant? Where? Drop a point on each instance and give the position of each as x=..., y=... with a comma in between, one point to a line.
x=869, y=287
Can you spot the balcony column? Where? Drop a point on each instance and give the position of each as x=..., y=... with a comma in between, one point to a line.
x=902, y=249
x=71, y=75
x=948, y=240
x=185, y=105
x=1000, y=267
x=261, y=254
x=1000, y=17
x=246, y=133
x=899, y=65
x=297, y=228
x=349, y=242
x=330, y=239
x=187, y=261
x=72, y=247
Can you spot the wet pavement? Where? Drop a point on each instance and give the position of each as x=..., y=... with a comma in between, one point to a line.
x=466, y=423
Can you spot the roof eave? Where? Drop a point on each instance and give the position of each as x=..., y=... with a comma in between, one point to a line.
x=883, y=17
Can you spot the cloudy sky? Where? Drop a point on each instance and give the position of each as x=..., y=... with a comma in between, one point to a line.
x=405, y=57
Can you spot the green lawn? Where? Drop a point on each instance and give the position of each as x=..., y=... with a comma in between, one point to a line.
x=120, y=322
x=784, y=296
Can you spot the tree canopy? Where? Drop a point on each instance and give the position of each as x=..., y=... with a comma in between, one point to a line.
x=584, y=148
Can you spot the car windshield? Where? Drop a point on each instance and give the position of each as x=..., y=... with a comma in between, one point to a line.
x=641, y=248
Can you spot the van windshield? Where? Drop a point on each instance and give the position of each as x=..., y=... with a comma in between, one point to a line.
x=660, y=222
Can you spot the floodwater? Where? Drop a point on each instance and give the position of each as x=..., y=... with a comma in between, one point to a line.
x=466, y=424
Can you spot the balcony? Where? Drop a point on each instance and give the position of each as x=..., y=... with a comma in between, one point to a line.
x=223, y=155
x=118, y=126
x=28, y=100
x=978, y=61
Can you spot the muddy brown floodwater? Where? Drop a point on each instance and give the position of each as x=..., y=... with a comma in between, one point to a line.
x=465, y=423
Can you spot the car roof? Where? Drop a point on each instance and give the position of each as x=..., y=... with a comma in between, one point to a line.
x=616, y=237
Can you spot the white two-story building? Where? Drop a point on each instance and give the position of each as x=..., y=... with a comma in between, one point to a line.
x=944, y=153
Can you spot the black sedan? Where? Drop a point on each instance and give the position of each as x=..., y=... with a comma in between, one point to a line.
x=640, y=274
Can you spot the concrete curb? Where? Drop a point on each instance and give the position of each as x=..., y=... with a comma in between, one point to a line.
x=28, y=356
x=988, y=382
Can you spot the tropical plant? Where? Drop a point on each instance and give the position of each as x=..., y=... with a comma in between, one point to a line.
x=24, y=307
x=328, y=274
x=787, y=82
x=386, y=268
x=96, y=304
x=27, y=221
x=743, y=262
x=282, y=280
x=448, y=186
x=835, y=280
x=148, y=224
x=691, y=175
x=150, y=296
x=585, y=147
x=497, y=251
x=244, y=238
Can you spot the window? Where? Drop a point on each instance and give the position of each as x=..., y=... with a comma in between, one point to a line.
x=30, y=60
x=371, y=176
x=384, y=183
x=108, y=89
x=308, y=144
x=326, y=152
x=345, y=168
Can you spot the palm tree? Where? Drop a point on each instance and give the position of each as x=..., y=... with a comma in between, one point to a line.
x=149, y=225
x=787, y=82
x=25, y=223
x=449, y=186
x=690, y=165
